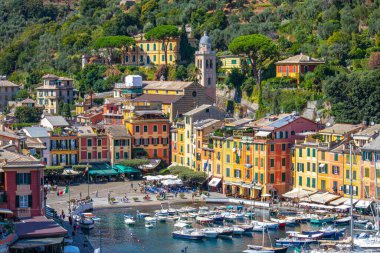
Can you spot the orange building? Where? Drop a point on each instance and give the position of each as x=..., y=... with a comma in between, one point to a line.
x=150, y=129
x=296, y=66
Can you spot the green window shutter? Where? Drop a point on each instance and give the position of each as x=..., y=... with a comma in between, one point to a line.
x=29, y=178
x=30, y=201
x=17, y=179
x=17, y=201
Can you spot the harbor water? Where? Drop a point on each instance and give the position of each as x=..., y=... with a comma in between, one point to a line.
x=112, y=235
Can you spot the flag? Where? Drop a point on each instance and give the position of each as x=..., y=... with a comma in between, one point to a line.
x=85, y=171
x=65, y=191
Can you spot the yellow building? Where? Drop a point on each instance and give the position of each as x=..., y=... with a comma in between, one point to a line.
x=178, y=144
x=152, y=52
x=229, y=62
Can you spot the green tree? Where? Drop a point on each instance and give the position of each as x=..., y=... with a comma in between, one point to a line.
x=22, y=94
x=110, y=43
x=339, y=45
x=26, y=114
x=258, y=48
x=163, y=33
x=185, y=50
x=88, y=7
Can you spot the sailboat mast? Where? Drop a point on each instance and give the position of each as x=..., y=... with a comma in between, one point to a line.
x=351, y=200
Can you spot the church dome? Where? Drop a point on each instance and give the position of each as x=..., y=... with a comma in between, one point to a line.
x=205, y=41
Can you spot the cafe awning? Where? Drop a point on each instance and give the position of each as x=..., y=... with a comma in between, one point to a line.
x=363, y=204
x=36, y=242
x=297, y=193
x=110, y=172
x=338, y=202
x=5, y=211
x=323, y=198
x=214, y=181
x=262, y=134
x=125, y=169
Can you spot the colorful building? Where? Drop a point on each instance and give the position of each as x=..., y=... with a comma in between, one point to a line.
x=53, y=91
x=119, y=143
x=93, y=144
x=297, y=66
x=230, y=62
x=92, y=116
x=21, y=183
x=150, y=129
x=146, y=52
x=8, y=91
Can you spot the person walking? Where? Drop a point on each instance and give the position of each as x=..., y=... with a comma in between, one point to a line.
x=132, y=186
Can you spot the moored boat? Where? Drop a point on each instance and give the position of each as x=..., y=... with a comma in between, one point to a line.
x=209, y=232
x=343, y=221
x=189, y=234
x=129, y=221
x=86, y=223
x=263, y=249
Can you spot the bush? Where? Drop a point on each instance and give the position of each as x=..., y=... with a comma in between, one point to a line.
x=182, y=195
x=135, y=199
x=186, y=174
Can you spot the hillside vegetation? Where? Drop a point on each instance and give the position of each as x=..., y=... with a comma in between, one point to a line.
x=37, y=39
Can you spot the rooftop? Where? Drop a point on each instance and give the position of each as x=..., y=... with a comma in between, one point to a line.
x=274, y=121
x=36, y=132
x=11, y=156
x=57, y=121
x=86, y=131
x=369, y=132
x=28, y=101
x=301, y=58
x=117, y=131
x=341, y=129
x=205, y=123
x=6, y=83
x=197, y=110
x=165, y=85
x=373, y=145
x=166, y=99
x=38, y=226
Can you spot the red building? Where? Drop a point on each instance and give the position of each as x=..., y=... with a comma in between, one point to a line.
x=21, y=183
x=150, y=129
x=296, y=66
x=93, y=144
x=113, y=111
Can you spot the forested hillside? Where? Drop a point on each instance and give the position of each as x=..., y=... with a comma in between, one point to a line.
x=37, y=39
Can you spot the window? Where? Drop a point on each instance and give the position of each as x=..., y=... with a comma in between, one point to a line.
x=227, y=172
x=99, y=142
x=336, y=156
x=117, y=155
x=283, y=177
x=154, y=58
x=209, y=81
x=272, y=178
x=228, y=144
x=256, y=161
x=147, y=47
x=163, y=128
x=300, y=181
x=300, y=152
x=248, y=159
x=283, y=147
x=227, y=158
x=181, y=137
x=165, y=152
x=89, y=142
x=323, y=185
x=141, y=46
x=313, y=182
x=256, y=177
x=366, y=173
x=262, y=147
x=155, y=128
x=262, y=177
x=154, y=47
x=248, y=174
x=163, y=57
x=308, y=166
x=323, y=155
x=154, y=152
x=272, y=162
x=24, y=201
x=313, y=167
x=308, y=152
x=170, y=57
x=313, y=152
x=218, y=168
x=354, y=175
x=308, y=182
x=256, y=147
x=23, y=178
x=170, y=46
x=99, y=155
x=271, y=147
x=233, y=62
x=283, y=162
x=125, y=155
x=262, y=162
x=145, y=129
x=141, y=58
x=89, y=155
x=335, y=170
x=237, y=173
x=137, y=129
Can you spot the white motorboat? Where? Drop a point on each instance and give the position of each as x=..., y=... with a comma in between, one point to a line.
x=368, y=242
x=209, y=232
x=189, y=234
x=224, y=231
x=141, y=215
x=162, y=218
x=266, y=224
x=129, y=221
x=182, y=225
x=150, y=219
x=203, y=220
x=237, y=230
x=149, y=225
x=172, y=218
x=86, y=223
